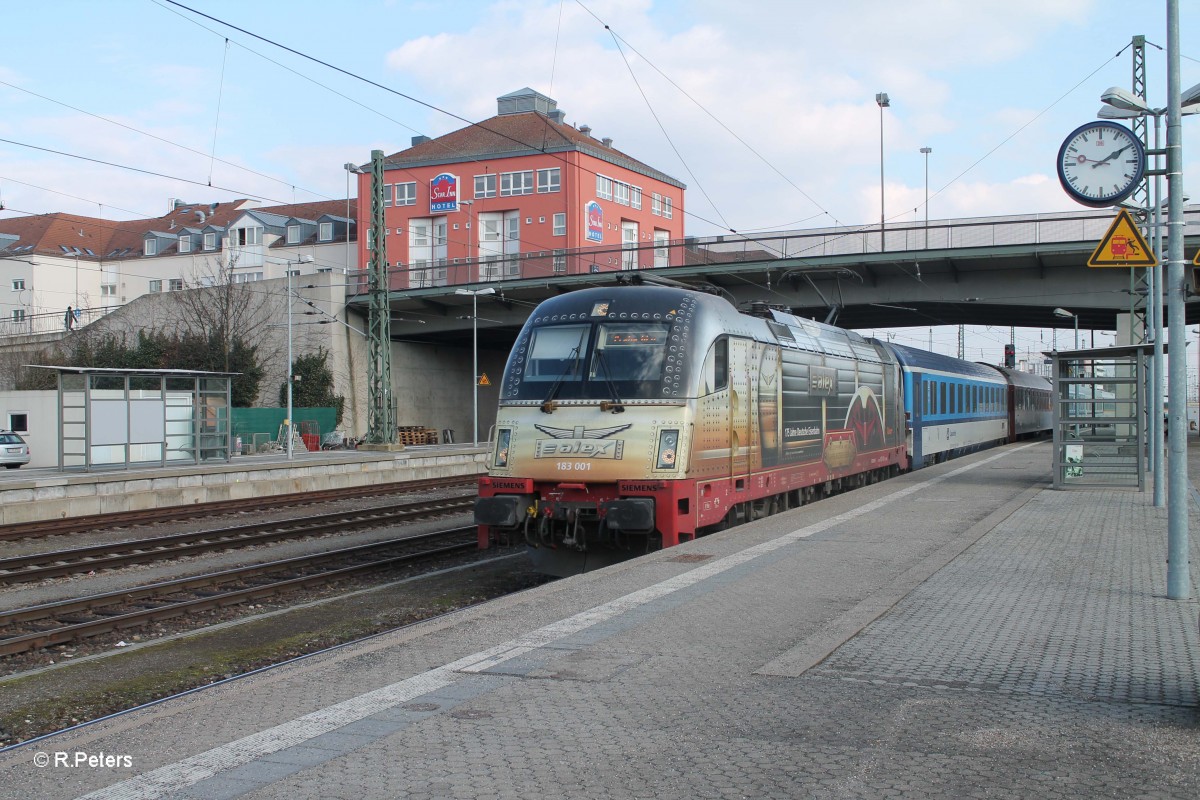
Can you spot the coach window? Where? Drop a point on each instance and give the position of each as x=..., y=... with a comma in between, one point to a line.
x=716, y=367
x=941, y=409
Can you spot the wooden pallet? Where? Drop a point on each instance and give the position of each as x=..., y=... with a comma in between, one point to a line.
x=416, y=435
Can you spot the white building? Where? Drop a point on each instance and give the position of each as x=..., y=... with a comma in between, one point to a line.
x=52, y=262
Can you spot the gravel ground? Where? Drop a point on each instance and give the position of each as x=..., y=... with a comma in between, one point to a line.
x=50, y=689
x=52, y=590
x=71, y=684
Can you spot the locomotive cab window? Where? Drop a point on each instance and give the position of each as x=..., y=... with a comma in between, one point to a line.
x=632, y=352
x=556, y=353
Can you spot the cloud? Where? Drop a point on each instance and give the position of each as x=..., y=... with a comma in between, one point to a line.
x=777, y=96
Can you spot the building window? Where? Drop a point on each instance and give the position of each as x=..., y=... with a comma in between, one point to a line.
x=18, y=422
x=245, y=236
x=604, y=187
x=293, y=234
x=155, y=287
x=635, y=197
x=18, y=315
x=662, y=254
x=322, y=270
x=387, y=195
x=560, y=261
x=370, y=238
x=666, y=208
x=656, y=204
x=621, y=193
x=548, y=180
x=108, y=290
x=406, y=194
x=18, y=284
x=176, y=285
x=151, y=247
x=485, y=185
x=325, y=231
x=251, y=277
x=292, y=272
x=185, y=244
x=210, y=241
x=560, y=225
x=515, y=183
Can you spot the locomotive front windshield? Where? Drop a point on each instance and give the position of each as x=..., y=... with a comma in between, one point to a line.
x=602, y=361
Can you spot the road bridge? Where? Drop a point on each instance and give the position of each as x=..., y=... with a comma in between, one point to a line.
x=1001, y=271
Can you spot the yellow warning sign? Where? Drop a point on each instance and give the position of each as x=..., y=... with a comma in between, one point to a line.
x=1123, y=246
x=483, y=380
x=1196, y=258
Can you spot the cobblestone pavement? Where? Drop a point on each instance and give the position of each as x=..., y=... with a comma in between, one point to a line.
x=958, y=632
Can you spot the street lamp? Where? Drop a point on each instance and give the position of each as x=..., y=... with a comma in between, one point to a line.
x=926, y=151
x=290, y=425
x=1062, y=312
x=882, y=100
x=474, y=293
x=351, y=169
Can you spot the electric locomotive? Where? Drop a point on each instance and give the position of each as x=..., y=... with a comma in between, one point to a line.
x=634, y=418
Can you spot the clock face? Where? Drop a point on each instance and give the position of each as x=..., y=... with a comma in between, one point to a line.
x=1101, y=163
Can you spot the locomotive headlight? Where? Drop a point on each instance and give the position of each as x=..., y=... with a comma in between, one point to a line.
x=503, y=438
x=668, y=449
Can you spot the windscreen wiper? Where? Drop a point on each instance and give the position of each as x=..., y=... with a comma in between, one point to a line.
x=615, y=405
x=548, y=404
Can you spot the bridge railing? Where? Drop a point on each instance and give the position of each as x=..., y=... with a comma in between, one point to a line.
x=793, y=245
x=50, y=322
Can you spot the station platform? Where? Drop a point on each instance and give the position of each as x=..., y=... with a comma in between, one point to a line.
x=961, y=631
x=30, y=495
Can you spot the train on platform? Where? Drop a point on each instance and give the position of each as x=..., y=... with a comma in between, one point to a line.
x=633, y=418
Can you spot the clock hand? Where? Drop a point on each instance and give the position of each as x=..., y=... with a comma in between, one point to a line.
x=1111, y=156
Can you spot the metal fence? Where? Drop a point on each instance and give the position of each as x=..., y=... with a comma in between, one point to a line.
x=956, y=234
x=50, y=322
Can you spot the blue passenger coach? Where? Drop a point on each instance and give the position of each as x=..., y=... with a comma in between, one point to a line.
x=953, y=406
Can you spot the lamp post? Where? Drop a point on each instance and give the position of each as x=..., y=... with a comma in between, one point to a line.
x=1062, y=312
x=290, y=424
x=881, y=99
x=926, y=151
x=474, y=293
x=1122, y=104
x=351, y=169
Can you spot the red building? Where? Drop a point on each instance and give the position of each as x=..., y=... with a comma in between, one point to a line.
x=520, y=195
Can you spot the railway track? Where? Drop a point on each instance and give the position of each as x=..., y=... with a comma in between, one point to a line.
x=93, y=522
x=39, y=566
x=40, y=626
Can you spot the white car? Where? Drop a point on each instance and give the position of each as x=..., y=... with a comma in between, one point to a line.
x=13, y=450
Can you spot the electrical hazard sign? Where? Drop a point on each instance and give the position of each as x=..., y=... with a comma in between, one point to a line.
x=1123, y=246
x=483, y=380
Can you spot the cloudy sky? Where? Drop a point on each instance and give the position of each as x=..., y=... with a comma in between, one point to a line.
x=764, y=108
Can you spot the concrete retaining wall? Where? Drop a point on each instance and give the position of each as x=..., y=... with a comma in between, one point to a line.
x=80, y=494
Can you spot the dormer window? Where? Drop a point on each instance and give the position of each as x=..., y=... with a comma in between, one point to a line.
x=210, y=241
x=151, y=248
x=241, y=237
x=185, y=244
x=293, y=234
x=325, y=232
